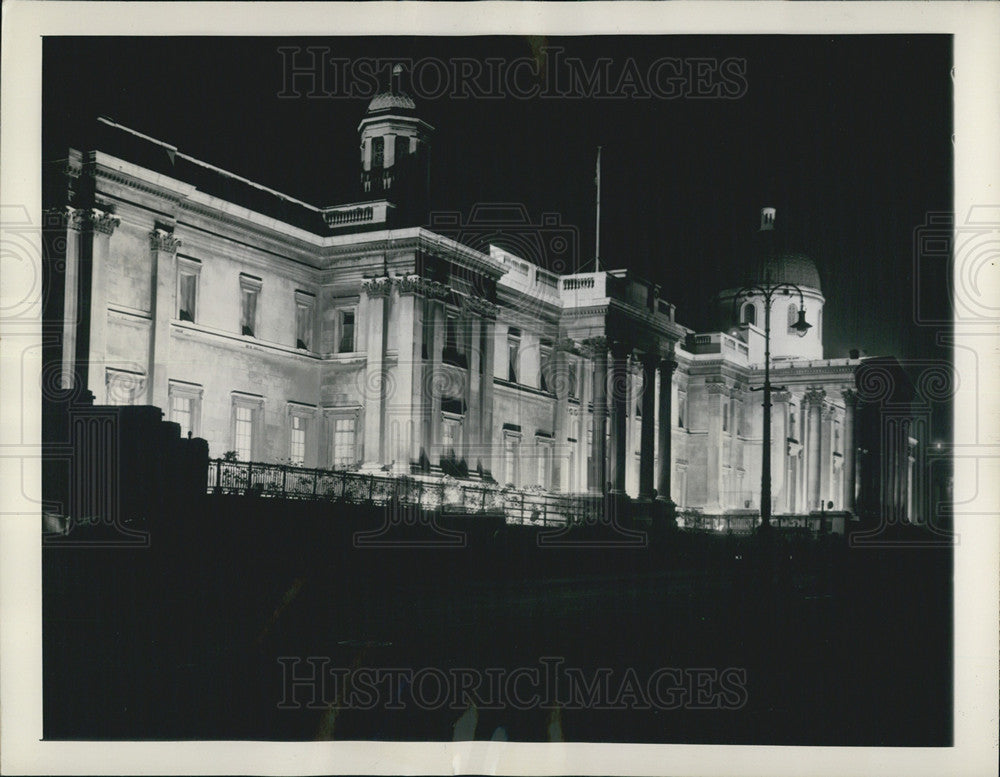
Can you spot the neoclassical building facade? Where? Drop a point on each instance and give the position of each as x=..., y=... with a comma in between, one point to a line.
x=349, y=337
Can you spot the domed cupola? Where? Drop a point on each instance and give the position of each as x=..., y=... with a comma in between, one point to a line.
x=395, y=150
x=771, y=264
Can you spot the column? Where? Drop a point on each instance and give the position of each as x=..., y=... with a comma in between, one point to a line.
x=850, y=401
x=376, y=379
x=717, y=395
x=814, y=399
x=646, y=440
x=663, y=484
x=404, y=405
x=582, y=450
x=826, y=455
x=560, y=463
x=102, y=225
x=598, y=447
x=779, y=448
x=164, y=247
x=486, y=456
x=619, y=420
x=75, y=220
x=436, y=380
x=469, y=322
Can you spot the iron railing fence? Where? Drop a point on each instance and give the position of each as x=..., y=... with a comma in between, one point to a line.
x=519, y=506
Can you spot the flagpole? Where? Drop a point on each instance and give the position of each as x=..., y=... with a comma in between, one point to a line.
x=597, y=239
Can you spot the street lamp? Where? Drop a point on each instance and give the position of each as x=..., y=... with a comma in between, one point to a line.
x=767, y=291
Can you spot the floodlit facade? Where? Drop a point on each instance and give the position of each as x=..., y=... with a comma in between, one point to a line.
x=346, y=337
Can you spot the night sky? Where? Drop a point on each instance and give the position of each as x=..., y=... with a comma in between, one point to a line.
x=848, y=137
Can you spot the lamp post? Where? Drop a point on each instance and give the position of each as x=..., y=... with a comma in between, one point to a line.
x=768, y=291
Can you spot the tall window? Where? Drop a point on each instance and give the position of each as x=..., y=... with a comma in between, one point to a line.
x=725, y=415
x=243, y=433
x=681, y=408
x=793, y=317
x=749, y=313
x=573, y=364
x=304, y=320
x=249, y=295
x=188, y=271
x=297, y=440
x=451, y=436
x=378, y=153
x=510, y=446
x=513, y=353
x=185, y=407
x=401, y=149
x=453, y=351
x=345, y=341
x=343, y=442
x=545, y=366
x=544, y=462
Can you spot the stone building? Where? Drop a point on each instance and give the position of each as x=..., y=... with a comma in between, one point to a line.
x=352, y=337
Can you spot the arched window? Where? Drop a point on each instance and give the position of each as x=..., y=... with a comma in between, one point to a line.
x=749, y=313
x=793, y=317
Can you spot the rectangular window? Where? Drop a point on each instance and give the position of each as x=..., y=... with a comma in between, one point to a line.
x=513, y=353
x=187, y=296
x=544, y=462
x=185, y=407
x=378, y=153
x=243, y=433
x=725, y=415
x=451, y=437
x=573, y=365
x=510, y=446
x=545, y=366
x=345, y=342
x=681, y=407
x=297, y=440
x=343, y=442
x=453, y=351
x=249, y=295
x=304, y=304
x=401, y=148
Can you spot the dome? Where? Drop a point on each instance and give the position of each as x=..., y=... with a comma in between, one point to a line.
x=790, y=268
x=391, y=101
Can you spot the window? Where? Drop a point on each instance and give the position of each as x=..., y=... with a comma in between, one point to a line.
x=345, y=341
x=343, y=442
x=791, y=423
x=401, y=149
x=246, y=418
x=513, y=353
x=249, y=294
x=304, y=304
x=573, y=364
x=123, y=387
x=725, y=415
x=510, y=451
x=545, y=367
x=378, y=153
x=793, y=317
x=453, y=351
x=749, y=313
x=544, y=462
x=681, y=407
x=451, y=437
x=297, y=440
x=185, y=407
x=243, y=434
x=188, y=271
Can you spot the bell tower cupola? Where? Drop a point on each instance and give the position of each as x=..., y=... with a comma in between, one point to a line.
x=395, y=150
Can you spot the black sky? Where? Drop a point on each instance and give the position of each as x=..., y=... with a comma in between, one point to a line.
x=849, y=137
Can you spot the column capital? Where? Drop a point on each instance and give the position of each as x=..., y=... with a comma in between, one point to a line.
x=850, y=397
x=814, y=396
x=780, y=395
x=620, y=349
x=478, y=306
x=66, y=216
x=567, y=344
x=828, y=411
x=377, y=287
x=649, y=360
x=593, y=346
x=161, y=240
x=668, y=366
x=416, y=284
x=103, y=222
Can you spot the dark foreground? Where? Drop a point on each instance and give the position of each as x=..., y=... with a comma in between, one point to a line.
x=693, y=638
